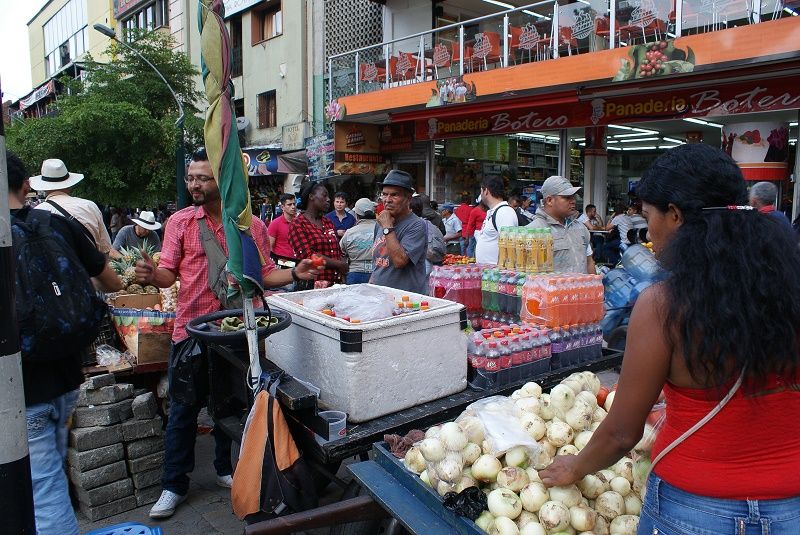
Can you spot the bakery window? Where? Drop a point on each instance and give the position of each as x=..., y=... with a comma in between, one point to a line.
x=266, y=22
x=267, y=110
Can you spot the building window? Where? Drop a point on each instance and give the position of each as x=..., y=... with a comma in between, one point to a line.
x=267, y=110
x=236, y=46
x=64, y=36
x=149, y=17
x=267, y=22
x=238, y=107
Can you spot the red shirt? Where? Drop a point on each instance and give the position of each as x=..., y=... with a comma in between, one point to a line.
x=306, y=238
x=475, y=221
x=279, y=229
x=182, y=253
x=749, y=450
x=462, y=212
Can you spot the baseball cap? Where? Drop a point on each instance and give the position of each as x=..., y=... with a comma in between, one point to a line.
x=558, y=185
x=363, y=206
x=447, y=206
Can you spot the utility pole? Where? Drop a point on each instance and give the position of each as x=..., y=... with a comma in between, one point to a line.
x=16, y=490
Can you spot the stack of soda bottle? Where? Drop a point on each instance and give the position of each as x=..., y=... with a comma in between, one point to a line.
x=461, y=284
x=501, y=297
x=525, y=249
x=507, y=354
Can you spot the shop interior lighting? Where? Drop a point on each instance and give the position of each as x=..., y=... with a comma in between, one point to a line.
x=501, y=4
x=633, y=129
x=437, y=146
x=635, y=134
x=673, y=140
x=793, y=124
x=637, y=140
x=615, y=148
x=705, y=123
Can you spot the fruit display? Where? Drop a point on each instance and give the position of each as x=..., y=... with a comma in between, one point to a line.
x=125, y=265
x=453, y=259
x=500, y=444
x=169, y=297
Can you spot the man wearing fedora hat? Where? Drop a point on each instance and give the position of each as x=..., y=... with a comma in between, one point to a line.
x=57, y=181
x=400, y=238
x=143, y=230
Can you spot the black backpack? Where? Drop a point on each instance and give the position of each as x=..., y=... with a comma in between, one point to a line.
x=58, y=310
x=521, y=219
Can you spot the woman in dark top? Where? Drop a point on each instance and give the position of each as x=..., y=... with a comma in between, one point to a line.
x=311, y=233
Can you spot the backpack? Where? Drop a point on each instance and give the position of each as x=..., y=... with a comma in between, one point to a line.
x=521, y=219
x=58, y=310
x=436, y=246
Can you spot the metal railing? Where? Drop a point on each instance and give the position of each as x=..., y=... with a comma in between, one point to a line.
x=535, y=32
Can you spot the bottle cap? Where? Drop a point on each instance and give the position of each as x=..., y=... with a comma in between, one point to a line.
x=405, y=298
x=493, y=344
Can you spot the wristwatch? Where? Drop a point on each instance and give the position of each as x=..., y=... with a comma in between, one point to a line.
x=387, y=230
x=295, y=278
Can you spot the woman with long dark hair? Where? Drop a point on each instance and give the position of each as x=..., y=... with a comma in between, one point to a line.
x=720, y=336
x=311, y=233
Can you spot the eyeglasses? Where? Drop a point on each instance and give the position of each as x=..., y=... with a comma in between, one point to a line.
x=202, y=179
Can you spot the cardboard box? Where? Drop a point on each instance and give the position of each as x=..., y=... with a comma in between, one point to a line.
x=136, y=301
x=153, y=347
x=145, y=333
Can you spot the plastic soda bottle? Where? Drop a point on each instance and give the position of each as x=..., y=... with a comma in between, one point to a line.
x=501, y=247
x=494, y=300
x=531, y=254
x=477, y=357
x=521, y=250
x=441, y=282
x=492, y=367
x=485, y=294
x=557, y=347
x=505, y=361
x=455, y=290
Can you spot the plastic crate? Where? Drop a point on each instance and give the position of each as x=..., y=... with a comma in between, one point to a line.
x=106, y=335
x=126, y=528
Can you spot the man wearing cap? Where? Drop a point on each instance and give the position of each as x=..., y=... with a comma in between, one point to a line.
x=400, y=238
x=357, y=243
x=143, y=230
x=57, y=182
x=452, y=227
x=572, y=249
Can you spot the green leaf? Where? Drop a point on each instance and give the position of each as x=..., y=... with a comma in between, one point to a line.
x=680, y=66
x=690, y=55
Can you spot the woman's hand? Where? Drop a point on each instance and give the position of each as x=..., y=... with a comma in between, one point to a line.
x=562, y=471
x=307, y=270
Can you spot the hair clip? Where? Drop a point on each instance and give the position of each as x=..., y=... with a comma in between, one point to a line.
x=729, y=207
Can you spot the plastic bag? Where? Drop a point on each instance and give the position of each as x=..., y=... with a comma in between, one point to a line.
x=502, y=428
x=356, y=302
x=470, y=502
x=641, y=453
x=110, y=356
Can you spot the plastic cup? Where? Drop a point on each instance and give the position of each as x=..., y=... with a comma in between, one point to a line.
x=337, y=426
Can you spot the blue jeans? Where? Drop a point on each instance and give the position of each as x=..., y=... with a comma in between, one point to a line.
x=179, y=441
x=354, y=277
x=47, y=443
x=471, y=246
x=668, y=510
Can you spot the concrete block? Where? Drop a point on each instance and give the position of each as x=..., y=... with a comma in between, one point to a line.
x=99, y=381
x=148, y=462
x=143, y=447
x=105, y=493
x=110, y=509
x=103, y=414
x=139, y=429
x=82, y=461
x=145, y=406
x=97, y=477
x=140, y=391
x=90, y=438
x=105, y=395
x=146, y=478
x=147, y=495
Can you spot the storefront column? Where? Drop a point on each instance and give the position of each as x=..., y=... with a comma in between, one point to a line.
x=796, y=171
x=564, y=155
x=430, y=165
x=595, y=169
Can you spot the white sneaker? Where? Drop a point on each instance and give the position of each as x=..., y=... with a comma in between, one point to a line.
x=166, y=504
x=225, y=481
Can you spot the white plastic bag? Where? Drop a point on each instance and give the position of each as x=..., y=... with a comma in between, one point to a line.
x=501, y=426
x=355, y=302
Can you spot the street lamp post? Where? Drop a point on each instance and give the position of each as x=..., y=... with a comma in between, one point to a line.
x=182, y=198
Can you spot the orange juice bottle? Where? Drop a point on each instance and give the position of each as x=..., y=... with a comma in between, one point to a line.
x=501, y=247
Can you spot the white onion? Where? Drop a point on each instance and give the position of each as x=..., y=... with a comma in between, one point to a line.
x=414, y=460
x=574, y=382
x=546, y=407
x=485, y=468
x=517, y=456
x=525, y=518
x=470, y=453
x=424, y=477
x=541, y=459
x=569, y=495
x=559, y=434
x=505, y=526
x=533, y=496
x=591, y=486
x=485, y=521
x=579, y=417
x=633, y=505
x=562, y=397
x=621, y=486
x=624, y=468
x=609, y=400
x=433, y=477
x=599, y=414
x=625, y=525
x=606, y=475
x=569, y=449
x=432, y=449
x=472, y=428
x=554, y=516
x=533, y=474
x=582, y=439
x=533, y=425
x=532, y=529
x=512, y=478
x=449, y=470
x=601, y=526
x=444, y=487
x=452, y=437
x=587, y=398
x=467, y=472
x=610, y=504
x=594, y=426
x=527, y=405
x=532, y=389
x=465, y=483
x=503, y=502
x=432, y=432
x=582, y=518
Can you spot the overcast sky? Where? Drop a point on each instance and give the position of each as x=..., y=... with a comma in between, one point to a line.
x=15, y=65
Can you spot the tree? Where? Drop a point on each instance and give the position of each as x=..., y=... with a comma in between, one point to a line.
x=118, y=127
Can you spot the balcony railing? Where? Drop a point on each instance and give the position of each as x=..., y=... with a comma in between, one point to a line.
x=537, y=32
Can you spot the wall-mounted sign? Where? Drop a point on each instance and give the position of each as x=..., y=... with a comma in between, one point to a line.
x=760, y=149
x=294, y=136
x=397, y=137
x=235, y=6
x=486, y=148
x=358, y=149
x=319, y=151
x=122, y=7
x=47, y=89
x=261, y=162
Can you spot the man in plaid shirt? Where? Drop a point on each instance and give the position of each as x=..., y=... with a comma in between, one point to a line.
x=183, y=256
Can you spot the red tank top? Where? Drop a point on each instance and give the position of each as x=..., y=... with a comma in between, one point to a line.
x=749, y=450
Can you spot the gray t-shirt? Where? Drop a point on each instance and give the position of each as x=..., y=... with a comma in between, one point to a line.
x=411, y=233
x=127, y=238
x=356, y=245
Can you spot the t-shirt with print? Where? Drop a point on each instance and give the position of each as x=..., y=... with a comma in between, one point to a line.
x=357, y=245
x=411, y=233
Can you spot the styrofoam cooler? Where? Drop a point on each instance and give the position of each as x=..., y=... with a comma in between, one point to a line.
x=373, y=368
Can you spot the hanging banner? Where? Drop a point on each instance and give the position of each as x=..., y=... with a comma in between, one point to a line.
x=47, y=89
x=261, y=162
x=319, y=151
x=761, y=149
x=721, y=100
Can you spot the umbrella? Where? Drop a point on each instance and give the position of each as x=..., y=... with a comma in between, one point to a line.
x=230, y=171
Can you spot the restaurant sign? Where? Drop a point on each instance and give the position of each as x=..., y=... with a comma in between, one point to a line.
x=719, y=100
x=319, y=151
x=358, y=149
x=122, y=7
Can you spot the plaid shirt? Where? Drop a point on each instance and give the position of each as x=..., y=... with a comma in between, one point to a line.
x=306, y=238
x=182, y=253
